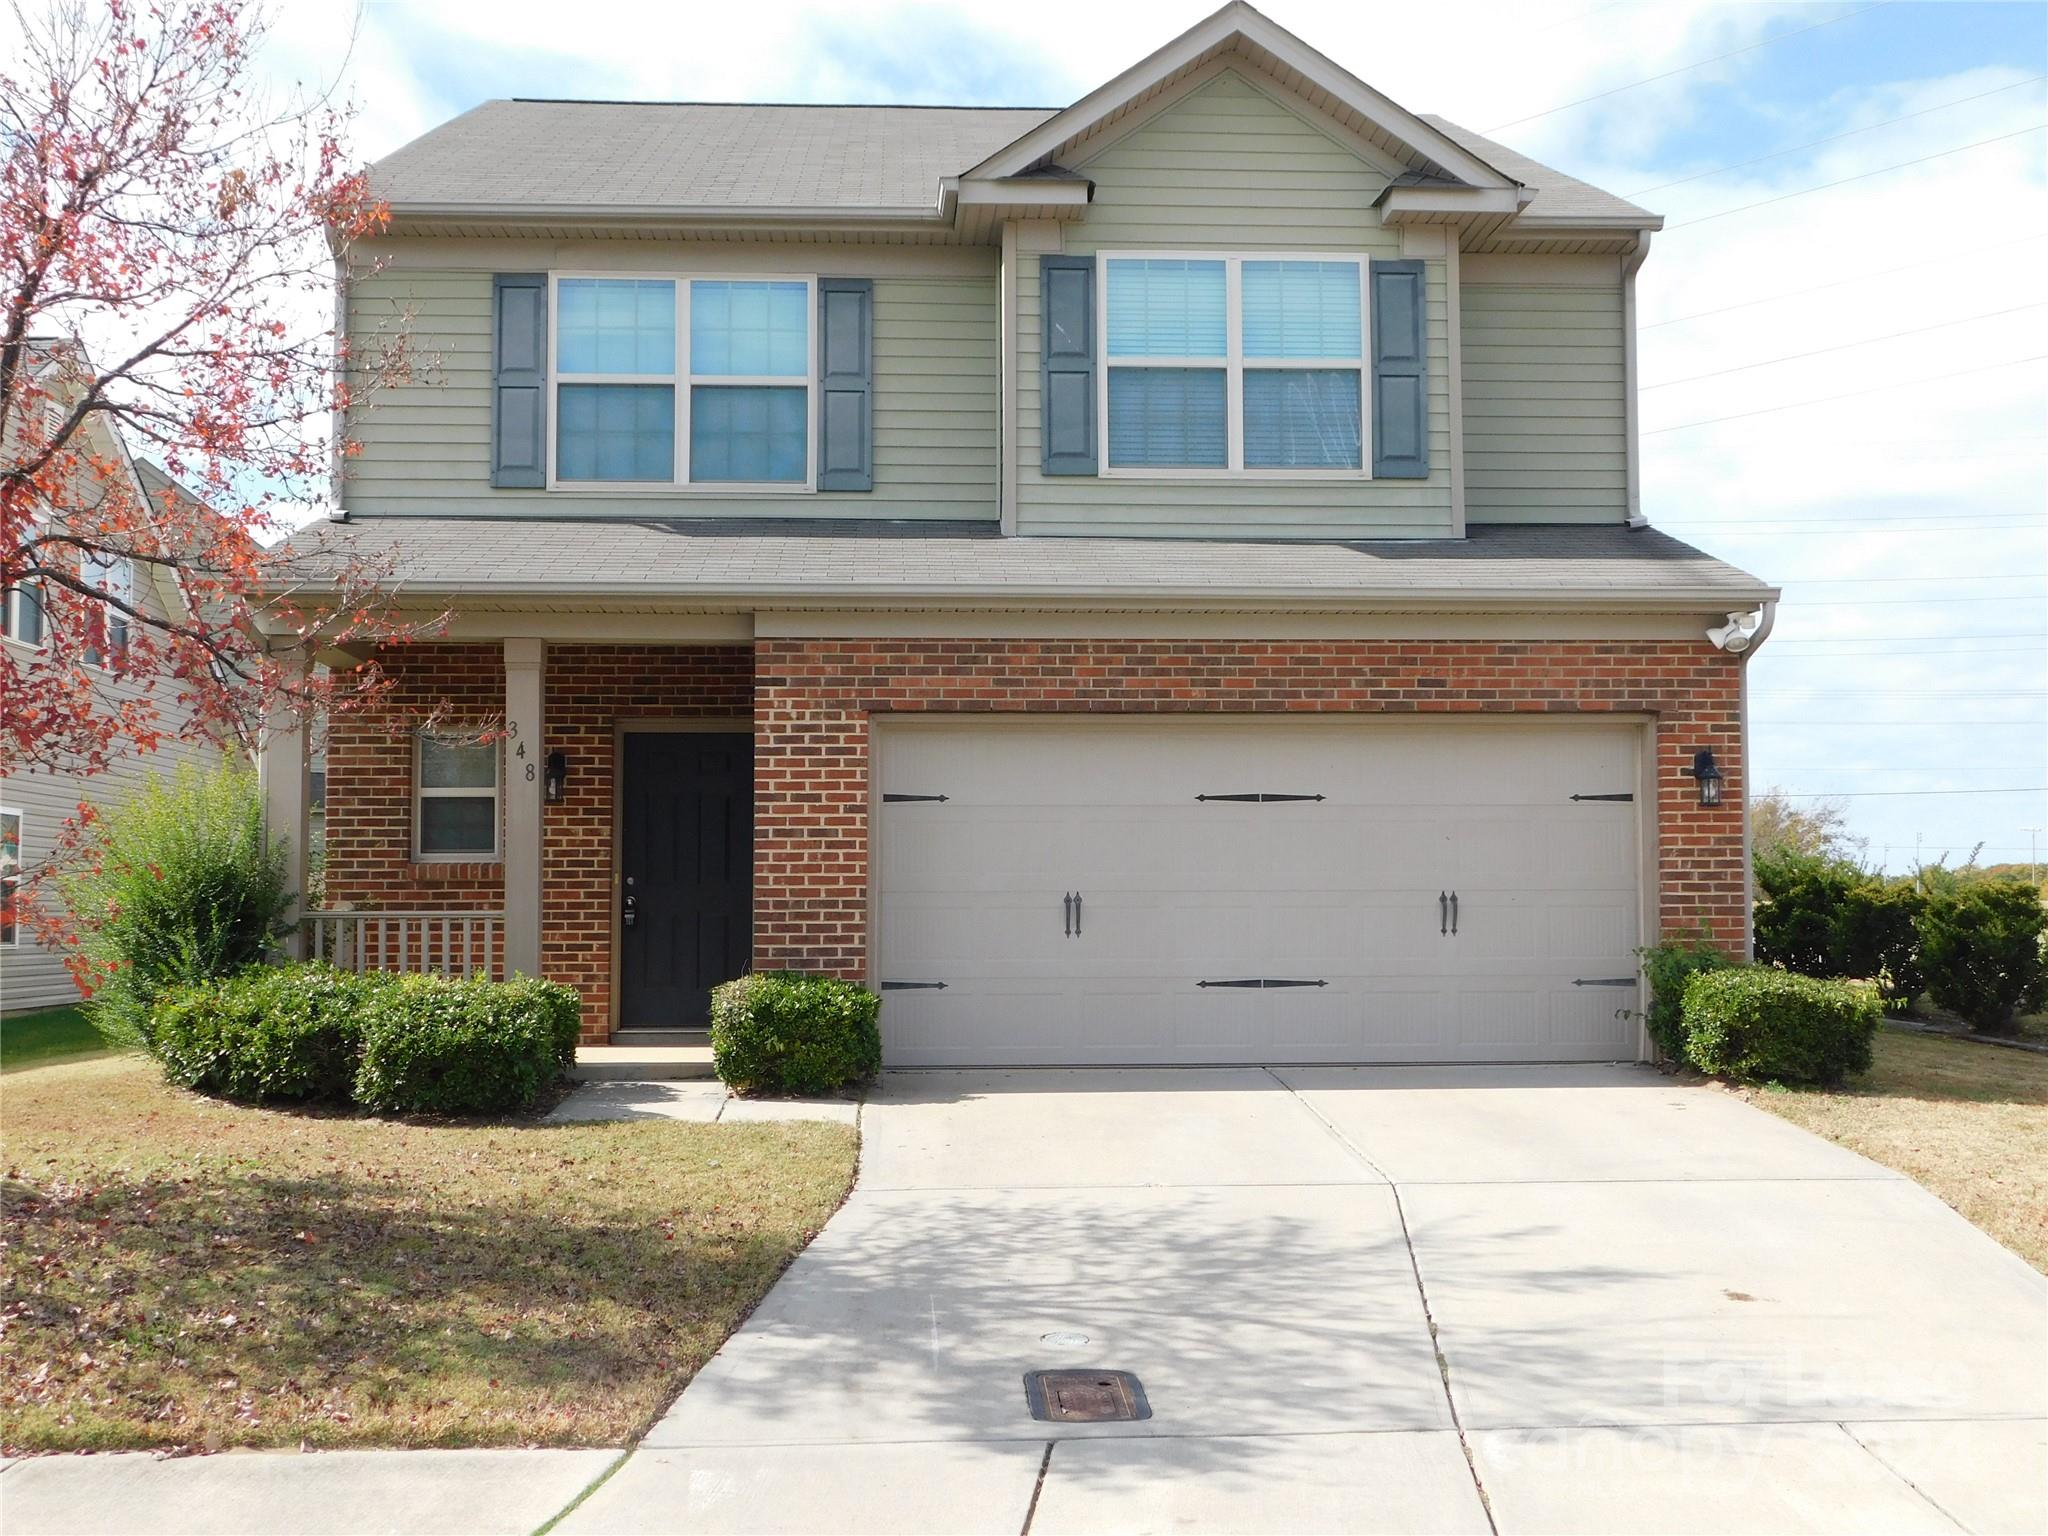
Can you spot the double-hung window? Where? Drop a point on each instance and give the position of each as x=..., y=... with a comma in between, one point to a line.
x=21, y=615
x=1233, y=364
x=684, y=382
x=10, y=873
x=457, y=808
x=109, y=620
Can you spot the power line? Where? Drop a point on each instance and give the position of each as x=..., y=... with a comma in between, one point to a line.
x=1827, y=186
x=1871, y=602
x=1854, y=394
x=1867, y=341
x=1900, y=725
x=1683, y=69
x=1858, y=581
x=1904, y=693
x=2004, y=634
x=1779, y=154
x=1874, y=794
x=1840, y=282
x=1825, y=650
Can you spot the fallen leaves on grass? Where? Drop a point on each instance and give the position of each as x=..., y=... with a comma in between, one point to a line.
x=183, y=1273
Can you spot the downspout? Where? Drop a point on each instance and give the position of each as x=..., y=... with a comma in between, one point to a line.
x=1630, y=265
x=1756, y=643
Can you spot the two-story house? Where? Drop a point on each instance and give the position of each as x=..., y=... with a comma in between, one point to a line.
x=1160, y=580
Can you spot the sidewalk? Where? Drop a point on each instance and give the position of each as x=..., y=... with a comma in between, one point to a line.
x=286, y=1493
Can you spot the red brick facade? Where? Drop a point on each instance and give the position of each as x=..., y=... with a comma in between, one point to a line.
x=812, y=699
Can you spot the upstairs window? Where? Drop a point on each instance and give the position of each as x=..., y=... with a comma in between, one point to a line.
x=1234, y=364
x=116, y=578
x=684, y=381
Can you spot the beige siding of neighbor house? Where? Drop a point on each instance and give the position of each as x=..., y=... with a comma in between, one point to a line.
x=425, y=444
x=1546, y=430
x=1230, y=166
x=31, y=976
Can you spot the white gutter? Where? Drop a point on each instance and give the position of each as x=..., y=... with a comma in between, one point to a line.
x=1756, y=643
x=1631, y=413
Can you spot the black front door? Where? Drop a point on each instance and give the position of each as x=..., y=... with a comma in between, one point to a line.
x=686, y=868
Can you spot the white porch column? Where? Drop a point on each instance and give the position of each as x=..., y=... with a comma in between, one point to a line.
x=284, y=777
x=525, y=772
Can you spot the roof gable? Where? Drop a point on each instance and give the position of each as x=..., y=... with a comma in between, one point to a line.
x=1239, y=32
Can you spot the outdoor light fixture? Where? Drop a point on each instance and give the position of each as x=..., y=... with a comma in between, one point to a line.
x=558, y=776
x=1708, y=772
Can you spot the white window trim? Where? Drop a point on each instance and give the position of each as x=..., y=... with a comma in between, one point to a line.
x=21, y=845
x=10, y=630
x=421, y=794
x=1233, y=363
x=681, y=381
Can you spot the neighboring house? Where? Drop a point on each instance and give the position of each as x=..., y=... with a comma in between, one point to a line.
x=35, y=803
x=1155, y=581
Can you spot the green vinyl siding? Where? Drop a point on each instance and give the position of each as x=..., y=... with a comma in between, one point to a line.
x=426, y=444
x=1546, y=432
x=1229, y=167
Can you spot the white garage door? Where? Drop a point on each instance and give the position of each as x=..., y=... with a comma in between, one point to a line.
x=1106, y=892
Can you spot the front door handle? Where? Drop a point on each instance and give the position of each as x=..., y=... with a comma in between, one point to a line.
x=631, y=913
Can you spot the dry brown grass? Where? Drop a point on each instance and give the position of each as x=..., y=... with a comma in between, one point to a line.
x=1968, y=1121
x=181, y=1272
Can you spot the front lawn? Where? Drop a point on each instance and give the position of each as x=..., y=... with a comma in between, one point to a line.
x=54, y=1034
x=181, y=1272
x=1968, y=1121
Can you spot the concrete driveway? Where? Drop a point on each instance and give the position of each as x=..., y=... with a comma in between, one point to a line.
x=1399, y=1299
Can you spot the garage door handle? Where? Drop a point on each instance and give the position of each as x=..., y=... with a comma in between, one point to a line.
x=1077, y=914
x=1443, y=912
x=1454, y=914
x=1067, y=907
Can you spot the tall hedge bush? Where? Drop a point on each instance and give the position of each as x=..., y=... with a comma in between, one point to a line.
x=1761, y=1024
x=1828, y=917
x=177, y=888
x=1981, y=944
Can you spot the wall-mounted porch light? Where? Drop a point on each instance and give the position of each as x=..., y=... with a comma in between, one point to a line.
x=558, y=776
x=1708, y=772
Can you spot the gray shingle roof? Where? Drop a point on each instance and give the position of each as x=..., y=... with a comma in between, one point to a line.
x=671, y=155
x=1558, y=196
x=665, y=157
x=737, y=562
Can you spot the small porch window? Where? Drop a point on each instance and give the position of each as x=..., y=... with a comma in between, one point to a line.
x=457, y=783
x=10, y=873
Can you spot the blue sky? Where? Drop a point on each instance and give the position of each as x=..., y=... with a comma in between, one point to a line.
x=1844, y=385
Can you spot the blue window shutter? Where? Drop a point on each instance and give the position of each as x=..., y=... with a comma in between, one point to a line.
x=519, y=379
x=846, y=384
x=1400, y=372
x=1066, y=382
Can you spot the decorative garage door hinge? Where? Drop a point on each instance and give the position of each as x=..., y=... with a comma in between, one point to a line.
x=1262, y=982
x=904, y=799
x=1259, y=799
x=1604, y=797
x=1605, y=981
x=913, y=986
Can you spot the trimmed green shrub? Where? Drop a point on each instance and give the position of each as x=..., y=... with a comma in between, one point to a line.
x=176, y=887
x=1824, y=916
x=271, y=1033
x=435, y=1045
x=1981, y=944
x=1761, y=1024
x=1668, y=967
x=785, y=1032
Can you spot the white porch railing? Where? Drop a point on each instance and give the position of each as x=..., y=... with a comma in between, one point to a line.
x=423, y=943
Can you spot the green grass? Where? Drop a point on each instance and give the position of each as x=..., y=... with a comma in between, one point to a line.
x=45, y=1038
x=185, y=1273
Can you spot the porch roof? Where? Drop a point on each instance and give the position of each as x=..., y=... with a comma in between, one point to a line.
x=780, y=562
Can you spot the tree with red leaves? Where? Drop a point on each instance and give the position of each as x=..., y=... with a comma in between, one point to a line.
x=169, y=250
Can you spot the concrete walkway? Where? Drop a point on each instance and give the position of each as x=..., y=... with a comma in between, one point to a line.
x=1658, y=1310
x=686, y=1100
x=1421, y=1299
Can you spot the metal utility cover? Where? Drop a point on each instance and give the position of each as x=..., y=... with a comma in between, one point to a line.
x=1085, y=1397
